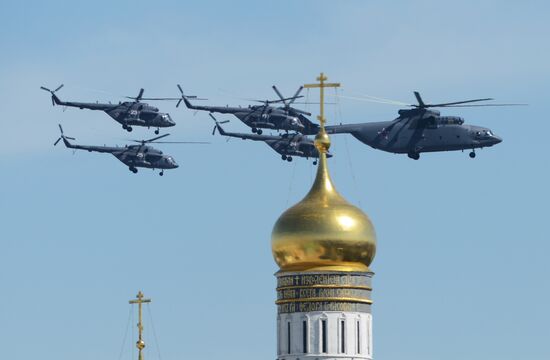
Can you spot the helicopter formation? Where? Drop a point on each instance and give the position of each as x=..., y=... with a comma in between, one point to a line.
x=417, y=129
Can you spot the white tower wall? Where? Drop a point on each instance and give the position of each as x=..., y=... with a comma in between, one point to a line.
x=301, y=335
x=324, y=316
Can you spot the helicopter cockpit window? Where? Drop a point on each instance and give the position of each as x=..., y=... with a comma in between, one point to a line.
x=431, y=123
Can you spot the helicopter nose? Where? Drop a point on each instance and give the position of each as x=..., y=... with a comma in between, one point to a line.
x=496, y=139
x=175, y=164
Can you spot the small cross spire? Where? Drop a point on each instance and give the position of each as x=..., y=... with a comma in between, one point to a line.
x=322, y=141
x=322, y=85
x=140, y=344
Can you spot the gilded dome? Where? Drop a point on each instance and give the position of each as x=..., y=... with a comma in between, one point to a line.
x=323, y=231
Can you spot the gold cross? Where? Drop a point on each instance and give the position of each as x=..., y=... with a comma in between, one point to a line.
x=322, y=85
x=140, y=344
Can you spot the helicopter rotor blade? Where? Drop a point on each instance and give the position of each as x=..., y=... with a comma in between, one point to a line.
x=140, y=95
x=296, y=95
x=213, y=117
x=419, y=99
x=215, y=126
x=275, y=101
x=156, y=138
x=157, y=99
x=50, y=90
x=216, y=120
x=457, y=102
x=301, y=112
x=478, y=105
x=280, y=95
x=60, y=128
x=182, y=142
x=148, y=140
x=58, y=140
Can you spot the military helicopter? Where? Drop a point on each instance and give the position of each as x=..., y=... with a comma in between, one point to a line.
x=133, y=156
x=288, y=145
x=421, y=129
x=128, y=113
x=265, y=116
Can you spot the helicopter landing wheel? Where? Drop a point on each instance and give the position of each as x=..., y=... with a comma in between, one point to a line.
x=254, y=130
x=259, y=131
x=315, y=162
x=157, y=131
x=128, y=128
x=414, y=155
x=161, y=173
x=289, y=158
x=472, y=154
x=133, y=169
x=283, y=157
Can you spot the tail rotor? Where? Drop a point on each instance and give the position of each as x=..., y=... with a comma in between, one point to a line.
x=52, y=92
x=217, y=123
x=62, y=137
x=185, y=97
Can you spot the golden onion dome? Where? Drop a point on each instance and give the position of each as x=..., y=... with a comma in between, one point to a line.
x=323, y=232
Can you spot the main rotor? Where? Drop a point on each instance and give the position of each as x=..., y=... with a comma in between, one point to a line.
x=154, y=140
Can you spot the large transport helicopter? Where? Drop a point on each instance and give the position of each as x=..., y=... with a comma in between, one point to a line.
x=421, y=129
x=133, y=156
x=287, y=145
x=127, y=113
x=265, y=116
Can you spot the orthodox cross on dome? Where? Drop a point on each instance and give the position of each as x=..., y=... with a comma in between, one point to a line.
x=322, y=85
x=140, y=344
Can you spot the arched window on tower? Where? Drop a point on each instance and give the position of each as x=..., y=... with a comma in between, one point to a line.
x=342, y=335
x=358, y=337
x=305, y=336
x=288, y=337
x=324, y=336
x=279, y=337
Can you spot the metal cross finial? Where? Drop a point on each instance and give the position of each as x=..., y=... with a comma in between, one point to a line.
x=140, y=344
x=322, y=85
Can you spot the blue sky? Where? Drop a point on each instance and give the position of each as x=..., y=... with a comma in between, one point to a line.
x=461, y=268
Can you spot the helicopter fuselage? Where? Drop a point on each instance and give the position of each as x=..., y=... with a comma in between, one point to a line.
x=426, y=131
x=139, y=114
x=126, y=113
x=302, y=147
x=264, y=117
x=133, y=155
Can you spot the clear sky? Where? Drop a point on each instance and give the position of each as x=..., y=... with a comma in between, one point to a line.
x=462, y=263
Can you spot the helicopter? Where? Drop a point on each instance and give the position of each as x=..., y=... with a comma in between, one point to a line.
x=287, y=145
x=421, y=129
x=127, y=113
x=133, y=156
x=265, y=116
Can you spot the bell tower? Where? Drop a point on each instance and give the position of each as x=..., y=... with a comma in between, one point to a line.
x=323, y=246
